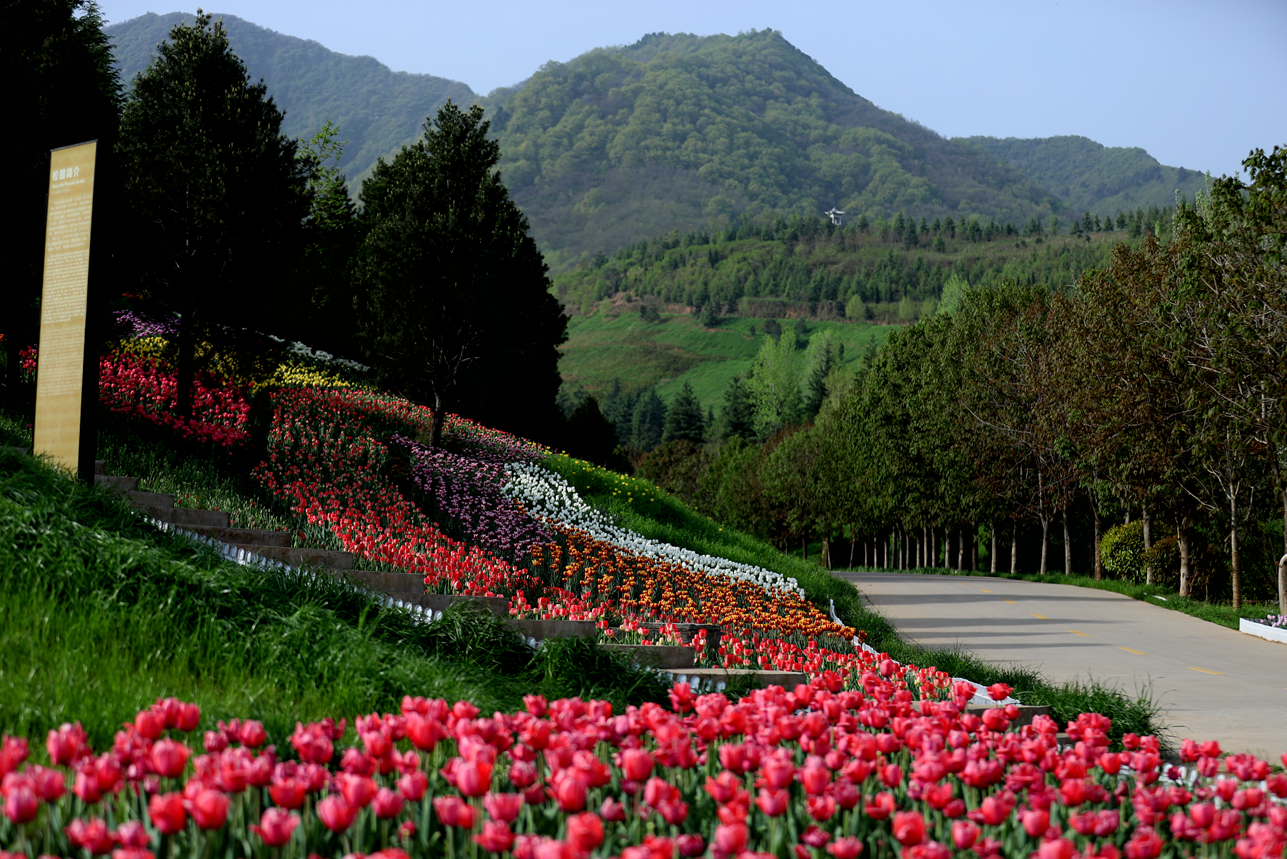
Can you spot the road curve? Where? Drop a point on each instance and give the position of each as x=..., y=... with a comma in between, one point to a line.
x=1212, y=683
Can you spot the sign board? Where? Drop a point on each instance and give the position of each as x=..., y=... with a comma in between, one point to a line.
x=61, y=368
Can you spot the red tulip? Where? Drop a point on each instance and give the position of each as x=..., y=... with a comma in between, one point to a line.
x=357, y=790
x=275, y=826
x=336, y=813
x=845, y=848
x=167, y=812
x=909, y=827
x=169, y=758
x=150, y=723
x=690, y=845
x=503, y=806
x=251, y=734
x=413, y=785
x=209, y=808
x=132, y=833
x=569, y=792
x=1057, y=848
x=1035, y=822
x=92, y=835
x=496, y=836
x=387, y=803
x=637, y=764
x=731, y=837
x=772, y=802
x=66, y=744
x=881, y=806
x=612, y=810
x=964, y=834
x=49, y=784
x=20, y=802
x=821, y=807
x=585, y=831
x=1144, y=844
x=815, y=837
x=815, y=778
x=288, y=792
x=454, y=811
x=891, y=775
x=999, y=691
x=473, y=778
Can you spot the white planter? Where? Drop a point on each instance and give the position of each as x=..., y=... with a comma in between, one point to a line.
x=1269, y=633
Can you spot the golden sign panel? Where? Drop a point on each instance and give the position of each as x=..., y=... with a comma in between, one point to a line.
x=60, y=370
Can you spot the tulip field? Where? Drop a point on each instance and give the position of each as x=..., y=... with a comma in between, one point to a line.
x=869, y=758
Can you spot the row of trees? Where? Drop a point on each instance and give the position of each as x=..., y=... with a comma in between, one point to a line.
x=207, y=211
x=1154, y=388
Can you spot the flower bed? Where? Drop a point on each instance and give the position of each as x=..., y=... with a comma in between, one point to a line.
x=810, y=773
x=1268, y=631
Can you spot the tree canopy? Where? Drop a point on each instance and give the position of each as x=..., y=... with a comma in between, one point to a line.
x=456, y=306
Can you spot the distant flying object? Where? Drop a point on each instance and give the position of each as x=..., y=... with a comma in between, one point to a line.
x=834, y=214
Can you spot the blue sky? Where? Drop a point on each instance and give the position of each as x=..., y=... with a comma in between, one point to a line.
x=1197, y=84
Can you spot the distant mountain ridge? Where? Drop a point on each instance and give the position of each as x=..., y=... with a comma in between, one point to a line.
x=1092, y=177
x=685, y=132
x=376, y=109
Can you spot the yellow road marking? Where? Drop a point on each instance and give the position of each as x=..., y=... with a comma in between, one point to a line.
x=985, y=590
x=1204, y=671
x=1133, y=650
x=1082, y=634
x=1012, y=602
x=1042, y=616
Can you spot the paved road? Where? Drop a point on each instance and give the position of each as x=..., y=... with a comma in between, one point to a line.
x=1212, y=682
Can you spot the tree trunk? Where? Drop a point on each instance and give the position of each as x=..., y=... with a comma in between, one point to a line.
x=1067, y=546
x=804, y=547
x=1099, y=563
x=960, y=549
x=853, y=543
x=1186, y=570
x=1045, y=541
x=1235, y=572
x=187, y=363
x=826, y=552
x=1014, y=547
x=920, y=548
x=439, y=421
x=994, y=548
x=974, y=547
x=1147, y=518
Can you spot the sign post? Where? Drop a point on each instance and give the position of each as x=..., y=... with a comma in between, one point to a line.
x=66, y=371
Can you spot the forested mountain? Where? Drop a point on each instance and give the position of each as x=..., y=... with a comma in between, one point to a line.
x=687, y=133
x=376, y=110
x=1091, y=177
x=676, y=131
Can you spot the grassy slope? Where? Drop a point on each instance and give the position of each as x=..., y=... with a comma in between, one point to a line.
x=656, y=514
x=678, y=350
x=100, y=614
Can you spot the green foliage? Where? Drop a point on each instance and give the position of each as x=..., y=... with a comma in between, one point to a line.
x=676, y=466
x=684, y=418
x=1122, y=552
x=379, y=109
x=1093, y=178
x=1161, y=562
x=679, y=131
x=456, y=309
x=774, y=385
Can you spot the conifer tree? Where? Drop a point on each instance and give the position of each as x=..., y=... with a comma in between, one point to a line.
x=648, y=422
x=684, y=420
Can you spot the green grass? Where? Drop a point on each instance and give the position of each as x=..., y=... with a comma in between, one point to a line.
x=677, y=350
x=101, y=614
x=641, y=506
x=1223, y=614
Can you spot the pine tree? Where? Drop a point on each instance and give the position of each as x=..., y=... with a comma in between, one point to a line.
x=648, y=421
x=684, y=420
x=218, y=190
x=737, y=417
x=457, y=308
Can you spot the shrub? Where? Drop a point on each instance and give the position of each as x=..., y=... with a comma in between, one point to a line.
x=1122, y=551
x=1162, y=563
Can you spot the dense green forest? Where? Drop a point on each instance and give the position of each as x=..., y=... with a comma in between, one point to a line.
x=676, y=130
x=375, y=109
x=1092, y=177
x=687, y=133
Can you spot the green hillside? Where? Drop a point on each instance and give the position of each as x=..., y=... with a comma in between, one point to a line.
x=377, y=110
x=694, y=307
x=677, y=132
x=1091, y=177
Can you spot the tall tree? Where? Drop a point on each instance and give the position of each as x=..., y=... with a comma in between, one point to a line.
x=457, y=309
x=217, y=188
x=684, y=419
x=63, y=89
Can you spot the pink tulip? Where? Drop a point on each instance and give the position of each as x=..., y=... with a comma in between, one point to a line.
x=167, y=813
x=336, y=813
x=276, y=826
x=209, y=808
